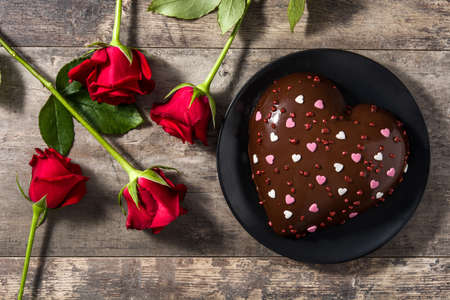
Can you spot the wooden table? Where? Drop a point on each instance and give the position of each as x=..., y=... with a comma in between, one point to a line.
x=85, y=252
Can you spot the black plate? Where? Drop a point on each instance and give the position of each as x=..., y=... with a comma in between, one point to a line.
x=360, y=80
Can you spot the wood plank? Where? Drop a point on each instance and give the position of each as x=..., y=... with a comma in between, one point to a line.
x=349, y=24
x=96, y=226
x=228, y=278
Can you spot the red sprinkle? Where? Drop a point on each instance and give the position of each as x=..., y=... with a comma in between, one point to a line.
x=344, y=152
x=359, y=192
x=333, y=117
x=273, y=125
x=283, y=110
x=356, y=122
x=327, y=188
x=317, y=166
x=293, y=141
x=310, y=185
x=305, y=173
x=348, y=179
x=371, y=124
x=373, y=108
x=302, y=218
x=391, y=155
x=325, y=130
x=286, y=167
x=356, y=203
x=316, y=79
x=362, y=174
x=289, y=183
x=396, y=139
x=292, y=115
x=308, y=126
x=381, y=147
x=327, y=148
x=289, y=87
x=293, y=190
x=310, y=114
x=332, y=213
x=267, y=181
x=274, y=108
x=314, y=121
x=276, y=170
x=364, y=137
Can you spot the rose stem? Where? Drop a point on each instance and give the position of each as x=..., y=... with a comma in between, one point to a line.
x=108, y=147
x=37, y=211
x=117, y=20
x=207, y=83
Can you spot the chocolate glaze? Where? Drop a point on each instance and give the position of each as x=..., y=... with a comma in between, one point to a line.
x=293, y=124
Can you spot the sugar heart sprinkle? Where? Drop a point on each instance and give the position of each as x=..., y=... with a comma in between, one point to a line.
x=340, y=135
x=374, y=184
x=356, y=157
x=287, y=214
x=270, y=158
x=258, y=116
x=342, y=191
x=352, y=215
x=296, y=157
x=314, y=208
x=378, y=156
x=273, y=137
x=338, y=167
x=319, y=104
x=312, y=228
x=311, y=146
x=299, y=99
x=390, y=172
x=385, y=132
x=379, y=195
x=272, y=194
x=255, y=158
x=289, y=199
x=290, y=123
x=321, y=179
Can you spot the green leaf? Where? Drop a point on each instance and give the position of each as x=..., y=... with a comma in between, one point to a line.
x=295, y=12
x=56, y=126
x=132, y=189
x=62, y=79
x=229, y=13
x=183, y=9
x=107, y=118
x=178, y=87
x=153, y=176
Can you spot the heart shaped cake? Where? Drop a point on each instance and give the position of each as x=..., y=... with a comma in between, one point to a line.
x=317, y=162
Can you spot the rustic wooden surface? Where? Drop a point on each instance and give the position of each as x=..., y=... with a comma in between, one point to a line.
x=85, y=252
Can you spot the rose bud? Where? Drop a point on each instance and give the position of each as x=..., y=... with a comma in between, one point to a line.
x=154, y=205
x=54, y=176
x=186, y=115
x=110, y=77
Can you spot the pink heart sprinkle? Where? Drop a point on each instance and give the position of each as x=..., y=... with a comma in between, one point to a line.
x=270, y=158
x=258, y=116
x=321, y=179
x=385, y=132
x=290, y=123
x=289, y=199
x=352, y=215
x=319, y=104
x=356, y=157
x=311, y=146
x=390, y=172
x=374, y=184
x=312, y=228
x=313, y=208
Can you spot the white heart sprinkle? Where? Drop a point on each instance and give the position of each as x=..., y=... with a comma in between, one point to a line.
x=342, y=191
x=405, y=169
x=338, y=167
x=379, y=195
x=271, y=194
x=255, y=159
x=296, y=157
x=378, y=156
x=299, y=99
x=340, y=135
x=273, y=137
x=288, y=214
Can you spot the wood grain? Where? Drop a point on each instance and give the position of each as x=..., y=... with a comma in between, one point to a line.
x=96, y=226
x=228, y=278
x=349, y=24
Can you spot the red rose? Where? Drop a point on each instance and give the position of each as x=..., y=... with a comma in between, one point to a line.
x=179, y=120
x=159, y=205
x=110, y=78
x=55, y=176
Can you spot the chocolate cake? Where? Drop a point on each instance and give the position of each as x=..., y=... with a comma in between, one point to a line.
x=317, y=162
